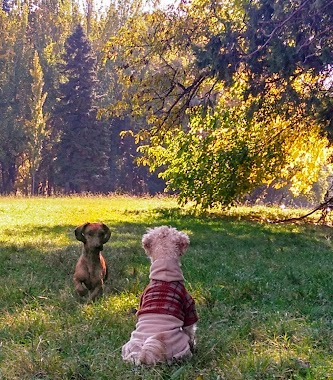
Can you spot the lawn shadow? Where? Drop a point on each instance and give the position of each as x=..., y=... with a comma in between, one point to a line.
x=254, y=283
x=224, y=245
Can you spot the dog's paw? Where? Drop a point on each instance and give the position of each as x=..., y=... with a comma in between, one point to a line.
x=130, y=351
x=193, y=345
x=81, y=290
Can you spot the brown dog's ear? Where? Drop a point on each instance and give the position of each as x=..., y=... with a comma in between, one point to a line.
x=107, y=233
x=79, y=232
x=184, y=242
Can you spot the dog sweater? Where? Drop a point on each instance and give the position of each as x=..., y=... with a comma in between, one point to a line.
x=168, y=297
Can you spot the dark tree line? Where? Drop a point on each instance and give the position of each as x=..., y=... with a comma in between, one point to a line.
x=222, y=97
x=80, y=151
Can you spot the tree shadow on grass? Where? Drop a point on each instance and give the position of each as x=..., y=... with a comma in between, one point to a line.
x=219, y=247
x=250, y=280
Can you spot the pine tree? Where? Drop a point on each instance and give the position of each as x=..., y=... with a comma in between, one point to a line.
x=82, y=160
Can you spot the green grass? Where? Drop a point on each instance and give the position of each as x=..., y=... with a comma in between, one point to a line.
x=264, y=291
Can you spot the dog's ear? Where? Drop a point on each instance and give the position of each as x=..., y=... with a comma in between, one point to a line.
x=146, y=242
x=79, y=232
x=107, y=233
x=184, y=242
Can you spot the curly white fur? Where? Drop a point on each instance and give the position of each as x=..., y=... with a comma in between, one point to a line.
x=165, y=242
x=162, y=337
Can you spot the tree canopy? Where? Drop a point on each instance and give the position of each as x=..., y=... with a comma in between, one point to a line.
x=233, y=93
x=220, y=98
x=172, y=60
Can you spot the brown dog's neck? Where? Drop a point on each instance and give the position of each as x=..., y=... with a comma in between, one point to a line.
x=92, y=253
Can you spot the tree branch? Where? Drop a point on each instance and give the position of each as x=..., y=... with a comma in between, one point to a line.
x=320, y=207
x=275, y=30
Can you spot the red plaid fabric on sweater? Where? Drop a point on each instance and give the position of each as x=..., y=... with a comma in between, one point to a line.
x=172, y=298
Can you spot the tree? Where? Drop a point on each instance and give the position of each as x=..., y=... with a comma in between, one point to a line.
x=250, y=55
x=276, y=43
x=36, y=126
x=126, y=175
x=222, y=156
x=15, y=51
x=156, y=67
x=271, y=42
x=61, y=17
x=82, y=159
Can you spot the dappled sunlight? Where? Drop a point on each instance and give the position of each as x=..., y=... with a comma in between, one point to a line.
x=289, y=352
x=28, y=323
x=250, y=341
x=123, y=303
x=264, y=214
x=262, y=290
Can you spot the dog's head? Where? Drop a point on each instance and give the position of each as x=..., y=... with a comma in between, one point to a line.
x=165, y=242
x=93, y=235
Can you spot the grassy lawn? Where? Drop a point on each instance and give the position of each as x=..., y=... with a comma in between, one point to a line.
x=264, y=292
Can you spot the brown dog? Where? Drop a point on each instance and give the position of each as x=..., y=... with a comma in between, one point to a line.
x=91, y=270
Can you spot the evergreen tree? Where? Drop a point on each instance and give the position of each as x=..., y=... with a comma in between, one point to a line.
x=126, y=175
x=82, y=162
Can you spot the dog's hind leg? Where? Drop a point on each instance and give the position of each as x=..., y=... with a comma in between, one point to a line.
x=154, y=350
x=190, y=331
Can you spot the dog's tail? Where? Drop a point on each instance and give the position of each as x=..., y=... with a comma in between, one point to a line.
x=153, y=350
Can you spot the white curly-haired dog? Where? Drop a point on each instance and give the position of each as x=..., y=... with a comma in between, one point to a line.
x=167, y=316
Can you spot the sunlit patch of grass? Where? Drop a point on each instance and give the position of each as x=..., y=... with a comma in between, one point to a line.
x=123, y=303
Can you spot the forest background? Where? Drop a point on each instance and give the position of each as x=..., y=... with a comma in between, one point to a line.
x=216, y=101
